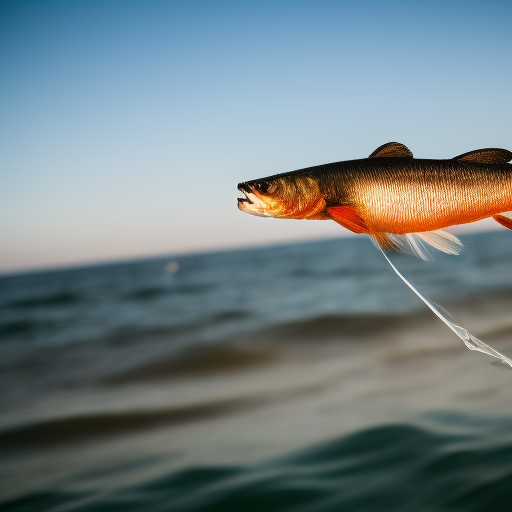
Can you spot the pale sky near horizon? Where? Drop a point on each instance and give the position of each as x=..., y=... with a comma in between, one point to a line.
x=125, y=126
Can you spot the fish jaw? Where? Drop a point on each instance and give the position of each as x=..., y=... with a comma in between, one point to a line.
x=253, y=202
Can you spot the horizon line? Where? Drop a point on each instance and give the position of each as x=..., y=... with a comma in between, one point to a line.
x=116, y=260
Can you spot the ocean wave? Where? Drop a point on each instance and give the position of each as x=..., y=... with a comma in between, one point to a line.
x=192, y=288
x=196, y=362
x=146, y=293
x=393, y=467
x=151, y=292
x=134, y=334
x=387, y=468
x=320, y=272
x=228, y=314
x=18, y=327
x=25, y=328
x=55, y=299
x=340, y=326
x=500, y=332
x=53, y=431
x=261, y=346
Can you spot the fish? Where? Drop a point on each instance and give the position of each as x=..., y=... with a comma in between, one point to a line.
x=403, y=203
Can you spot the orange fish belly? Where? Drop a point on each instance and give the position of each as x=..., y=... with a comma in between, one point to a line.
x=405, y=208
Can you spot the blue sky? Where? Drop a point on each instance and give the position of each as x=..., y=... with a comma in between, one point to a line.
x=125, y=126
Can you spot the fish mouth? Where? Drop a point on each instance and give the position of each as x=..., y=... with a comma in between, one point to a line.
x=246, y=190
x=251, y=203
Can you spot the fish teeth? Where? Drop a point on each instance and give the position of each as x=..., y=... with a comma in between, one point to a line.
x=252, y=204
x=244, y=199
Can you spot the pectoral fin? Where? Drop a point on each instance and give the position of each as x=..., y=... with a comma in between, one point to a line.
x=348, y=218
x=505, y=219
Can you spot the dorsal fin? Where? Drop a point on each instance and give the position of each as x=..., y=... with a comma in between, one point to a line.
x=391, y=149
x=487, y=156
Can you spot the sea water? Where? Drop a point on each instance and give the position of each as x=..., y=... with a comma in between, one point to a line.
x=301, y=377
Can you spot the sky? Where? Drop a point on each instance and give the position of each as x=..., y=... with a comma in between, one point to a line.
x=125, y=125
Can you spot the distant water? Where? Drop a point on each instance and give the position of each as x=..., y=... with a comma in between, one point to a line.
x=303, y=377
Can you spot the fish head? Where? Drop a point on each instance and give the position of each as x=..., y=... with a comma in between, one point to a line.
x=283, y=196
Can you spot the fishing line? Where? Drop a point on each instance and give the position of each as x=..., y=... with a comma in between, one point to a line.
x=472, y=342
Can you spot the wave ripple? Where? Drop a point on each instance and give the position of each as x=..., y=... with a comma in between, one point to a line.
x=397, y=467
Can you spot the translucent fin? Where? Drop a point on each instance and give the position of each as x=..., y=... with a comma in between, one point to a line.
x=472, y=342
x=420, y=244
